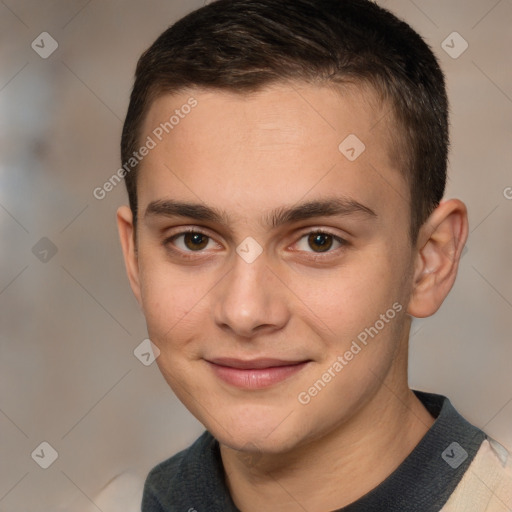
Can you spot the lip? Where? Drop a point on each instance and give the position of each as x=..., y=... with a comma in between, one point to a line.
x=254, y=373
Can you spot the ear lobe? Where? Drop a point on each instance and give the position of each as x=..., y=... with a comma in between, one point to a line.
x=440, y=243
x=126, y=236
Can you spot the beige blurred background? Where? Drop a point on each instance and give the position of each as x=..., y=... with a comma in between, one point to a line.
x=68, y=322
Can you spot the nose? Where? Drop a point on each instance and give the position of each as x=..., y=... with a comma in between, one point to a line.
x=251, y=299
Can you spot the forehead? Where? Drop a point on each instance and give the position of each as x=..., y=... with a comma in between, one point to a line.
x=271, y=147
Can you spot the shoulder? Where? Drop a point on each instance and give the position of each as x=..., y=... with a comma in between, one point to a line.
x=171, y=485
x=487, y=483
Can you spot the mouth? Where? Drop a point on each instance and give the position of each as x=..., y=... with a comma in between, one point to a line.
x=255, y=373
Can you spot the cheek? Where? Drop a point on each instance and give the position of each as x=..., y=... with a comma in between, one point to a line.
x=359, y=357
x=346, y=300
x=175, y=319
x=171, y=299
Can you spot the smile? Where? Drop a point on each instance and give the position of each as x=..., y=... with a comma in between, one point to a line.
x=256, y=373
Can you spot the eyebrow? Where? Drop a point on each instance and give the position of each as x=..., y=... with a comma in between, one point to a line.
x=318, y=208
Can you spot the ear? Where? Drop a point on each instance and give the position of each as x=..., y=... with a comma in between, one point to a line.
x=439, y=248
x=126, y=235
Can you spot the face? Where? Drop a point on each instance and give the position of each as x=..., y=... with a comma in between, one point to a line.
x=274, y=265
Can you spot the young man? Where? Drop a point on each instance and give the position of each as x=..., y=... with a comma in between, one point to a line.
x=285, y=163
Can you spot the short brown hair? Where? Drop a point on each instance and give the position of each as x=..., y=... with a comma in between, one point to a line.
x=244, y=45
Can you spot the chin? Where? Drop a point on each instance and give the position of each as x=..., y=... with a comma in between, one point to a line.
x=260, y=432
x=255, y=443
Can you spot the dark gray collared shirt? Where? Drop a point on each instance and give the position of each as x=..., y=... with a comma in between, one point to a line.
x=193, y=480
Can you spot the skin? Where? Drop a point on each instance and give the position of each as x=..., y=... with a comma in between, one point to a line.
x=247, y=155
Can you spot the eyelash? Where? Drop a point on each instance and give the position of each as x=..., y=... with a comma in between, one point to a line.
x=312, y=255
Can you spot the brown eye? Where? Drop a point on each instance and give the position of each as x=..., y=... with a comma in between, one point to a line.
x=320, y=242
x=191, y=245
x=195, y=241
